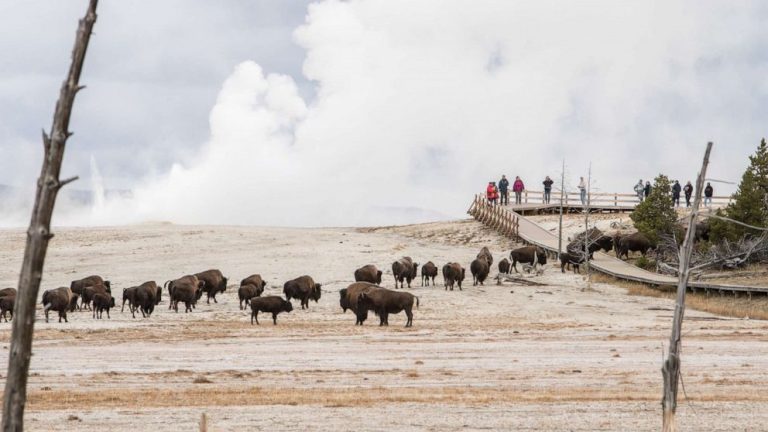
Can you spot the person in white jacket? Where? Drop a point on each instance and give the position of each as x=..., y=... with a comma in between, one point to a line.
x=639, y=189
x=583, y=190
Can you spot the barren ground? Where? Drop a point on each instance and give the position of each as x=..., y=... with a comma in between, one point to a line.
x=510, y=357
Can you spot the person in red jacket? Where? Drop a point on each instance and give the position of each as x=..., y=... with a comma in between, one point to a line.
x=518, y=187
x=491, y=193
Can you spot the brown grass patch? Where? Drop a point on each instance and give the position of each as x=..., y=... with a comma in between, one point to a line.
x=352, y=396
x=727, y=305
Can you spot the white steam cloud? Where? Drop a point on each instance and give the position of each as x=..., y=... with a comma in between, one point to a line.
x=419, y=104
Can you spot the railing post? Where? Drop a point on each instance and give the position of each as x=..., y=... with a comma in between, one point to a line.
x=525, y=192
x=615, y=200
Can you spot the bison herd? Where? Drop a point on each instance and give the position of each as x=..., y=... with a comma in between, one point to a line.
x=366, y=294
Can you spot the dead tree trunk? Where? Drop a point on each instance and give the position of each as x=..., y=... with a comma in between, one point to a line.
x=670, y=371
x=39, y=233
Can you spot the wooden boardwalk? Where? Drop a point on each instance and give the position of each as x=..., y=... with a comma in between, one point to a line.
x=523, y=229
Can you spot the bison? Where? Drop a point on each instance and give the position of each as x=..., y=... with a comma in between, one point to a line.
x=271, y=304
x=102, y=302
x=504, y=266
x=428, y=271
x=77, y=286
x=302, y=288
x=186, y=289
x=480, y=269
x=7, y=291
x=129, y=295
x=595, y=240
x=246, y=292
x=6, y=305
x=58, y=300
x=214, y=282
x=90, y=291
x=404, y=269
x=384, y=302
x=348, y=299
x=636, y=242
x=528, y=255
x=453, y=273
x=573, y=258
x=143, y=298
x=485, y=253
x=368, y=273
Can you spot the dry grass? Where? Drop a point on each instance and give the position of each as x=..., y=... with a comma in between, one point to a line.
x=354, y=396
x=727, y=305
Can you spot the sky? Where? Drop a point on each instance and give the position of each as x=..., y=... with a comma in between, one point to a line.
x=369, y=112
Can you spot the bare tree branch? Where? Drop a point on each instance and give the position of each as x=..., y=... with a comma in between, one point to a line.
x=39, y=234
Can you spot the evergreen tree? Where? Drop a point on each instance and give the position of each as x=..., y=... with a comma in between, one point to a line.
x=750, y=202
x=655, y=215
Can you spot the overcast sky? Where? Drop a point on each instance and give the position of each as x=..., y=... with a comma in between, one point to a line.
x=376, y=111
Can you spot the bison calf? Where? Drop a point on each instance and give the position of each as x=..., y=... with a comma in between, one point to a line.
x=270, y=304
x=504, y=266
x=573, y=258
x=102, y=302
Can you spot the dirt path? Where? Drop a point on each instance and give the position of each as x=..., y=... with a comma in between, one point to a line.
x=555, y=357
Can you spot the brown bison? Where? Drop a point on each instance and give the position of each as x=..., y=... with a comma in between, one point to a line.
x=271, y=304
x=404, y=269
x=303, y=288
x=143, y=298
x=186, y=289
x=428, y=271
x=504, y=266
x=595, y=240
x=485, y=253
x=528, y=255
x=102, y=302
x=575, y=259
x=636, y=242
x=252, y=286
x=214, y=281
x=348, y=299
x=453, y=273
x=89, y=292
x=77, y=286
x=368, y=273
x=384, y=302
x=6, y=305
x=480, y=269
x=58, y=300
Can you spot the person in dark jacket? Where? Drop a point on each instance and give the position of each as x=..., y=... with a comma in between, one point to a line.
x=708, y=191
x=547, y=189
x=647, y=190
x=688, y=190
x=676, y=193
x=504, y=190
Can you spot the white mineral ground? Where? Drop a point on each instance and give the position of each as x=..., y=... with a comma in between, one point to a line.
x=509, y=357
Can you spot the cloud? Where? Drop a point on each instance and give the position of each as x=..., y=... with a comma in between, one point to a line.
x=418, y=104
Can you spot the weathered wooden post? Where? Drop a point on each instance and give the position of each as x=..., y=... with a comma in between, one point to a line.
x=670, y=371
x=39, y=233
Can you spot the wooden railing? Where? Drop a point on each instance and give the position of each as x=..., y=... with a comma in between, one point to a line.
x=598, y=199
x=496, y=217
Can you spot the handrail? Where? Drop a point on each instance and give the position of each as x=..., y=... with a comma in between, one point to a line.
x=599, y=198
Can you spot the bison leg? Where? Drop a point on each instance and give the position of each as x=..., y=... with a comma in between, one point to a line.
x=108, y=317
x=255, y=316
x=274, y=318
x=409, y=314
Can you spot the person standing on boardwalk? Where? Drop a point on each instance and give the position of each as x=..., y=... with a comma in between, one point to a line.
x=504, y=190
x=491, y=193
x=547, y=189
x=583, y=191
x=647, y=189
x=688, y=190
x=518, y=187
x=708, y=191
x=676, y=193
x=639, y=188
